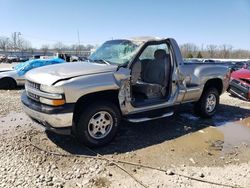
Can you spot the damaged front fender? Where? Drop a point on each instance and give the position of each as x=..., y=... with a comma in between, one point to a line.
x=123, y=77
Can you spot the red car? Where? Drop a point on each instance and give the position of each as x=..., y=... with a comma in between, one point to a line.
x=240, y=83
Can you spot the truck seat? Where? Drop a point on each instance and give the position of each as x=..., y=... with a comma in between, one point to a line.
x=153, y=78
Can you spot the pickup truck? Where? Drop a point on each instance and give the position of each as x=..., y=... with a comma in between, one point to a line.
x=137, y=80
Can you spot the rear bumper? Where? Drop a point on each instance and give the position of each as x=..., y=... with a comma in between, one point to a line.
x=56, y=119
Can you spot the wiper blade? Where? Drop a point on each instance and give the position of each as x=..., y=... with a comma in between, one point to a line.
x=103, y=61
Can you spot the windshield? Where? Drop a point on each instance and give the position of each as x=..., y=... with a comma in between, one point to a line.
x=115, y=52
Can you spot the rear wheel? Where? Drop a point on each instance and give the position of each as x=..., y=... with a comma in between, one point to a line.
x=98, y=124
x=208, y=103
x=7, y=83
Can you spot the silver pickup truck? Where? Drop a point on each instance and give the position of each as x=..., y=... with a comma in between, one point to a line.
x=138, y=80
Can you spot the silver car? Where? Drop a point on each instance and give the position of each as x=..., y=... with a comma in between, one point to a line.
x=11, y=78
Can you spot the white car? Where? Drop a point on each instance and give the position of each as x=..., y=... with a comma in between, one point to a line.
x=15, y=76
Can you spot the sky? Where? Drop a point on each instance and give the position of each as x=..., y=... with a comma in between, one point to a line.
x=201, y=22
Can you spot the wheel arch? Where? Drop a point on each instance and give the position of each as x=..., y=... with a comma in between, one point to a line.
x=107, y=95
x=217, y=83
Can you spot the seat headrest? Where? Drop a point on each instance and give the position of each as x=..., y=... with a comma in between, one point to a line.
x=160, y=54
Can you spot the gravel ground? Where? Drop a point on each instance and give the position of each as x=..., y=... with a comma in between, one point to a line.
x=183, y=145
x=10, y=101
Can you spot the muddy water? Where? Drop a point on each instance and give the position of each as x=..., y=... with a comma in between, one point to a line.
x=206, y=147
x=235, y=134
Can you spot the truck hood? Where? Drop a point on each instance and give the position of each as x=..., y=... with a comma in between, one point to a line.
x=8, y=73
x=48, y=75
x=242, y=73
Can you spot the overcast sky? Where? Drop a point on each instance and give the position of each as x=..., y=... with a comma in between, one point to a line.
x=196, y=21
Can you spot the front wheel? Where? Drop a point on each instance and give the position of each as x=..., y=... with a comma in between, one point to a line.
x=98, y=124
x=7, y=83
x=208, y=103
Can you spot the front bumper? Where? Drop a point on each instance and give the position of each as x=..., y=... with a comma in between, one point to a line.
x=56, y=119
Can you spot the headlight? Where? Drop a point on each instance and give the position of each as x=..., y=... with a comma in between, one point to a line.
x=52, y=102
x=53, y=95
x=51, y=89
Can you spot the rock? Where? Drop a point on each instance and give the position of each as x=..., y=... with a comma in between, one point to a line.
x=24, y=137
x=170, y=172
x=202, y=175
x=192, y=160
x=50, y=184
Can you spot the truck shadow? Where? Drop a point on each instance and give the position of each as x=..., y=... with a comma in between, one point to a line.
x=133, y=137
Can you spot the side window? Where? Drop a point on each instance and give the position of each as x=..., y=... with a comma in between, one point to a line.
x=149, y=51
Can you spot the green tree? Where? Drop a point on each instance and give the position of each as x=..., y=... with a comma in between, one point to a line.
x=190, y=55
x=199, y=55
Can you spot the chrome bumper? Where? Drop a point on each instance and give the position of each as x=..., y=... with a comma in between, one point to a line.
x=54, y=120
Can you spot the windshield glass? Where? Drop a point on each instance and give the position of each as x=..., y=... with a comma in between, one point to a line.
x=115, y=52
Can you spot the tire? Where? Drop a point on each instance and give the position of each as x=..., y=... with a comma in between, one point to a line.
x=202, y=108
x=7, y=83
x=95, y=118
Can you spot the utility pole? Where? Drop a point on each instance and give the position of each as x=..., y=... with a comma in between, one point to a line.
x=16, y=39
x=78, y=36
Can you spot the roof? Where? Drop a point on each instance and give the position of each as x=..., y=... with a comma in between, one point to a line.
x=141, y=39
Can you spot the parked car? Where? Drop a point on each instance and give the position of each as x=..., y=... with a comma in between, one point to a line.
x=208, y=61
x=67, y=57
x=23, y=59
x=240, y=83
x=82, y=58
x=3, y=58
x=137, y=80
x=12, y=58
x=237, y=65
x=11, y=78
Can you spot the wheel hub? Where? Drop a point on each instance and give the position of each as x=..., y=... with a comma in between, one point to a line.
x=100, y=124
x=211, y=102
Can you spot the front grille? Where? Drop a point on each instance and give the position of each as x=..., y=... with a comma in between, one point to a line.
x=240, y=85
x=244, y=85
x=239, y=92
x=235, y=81
x=33, y=96
x=32, y=86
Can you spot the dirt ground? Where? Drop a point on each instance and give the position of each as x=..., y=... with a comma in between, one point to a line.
x=186, y=150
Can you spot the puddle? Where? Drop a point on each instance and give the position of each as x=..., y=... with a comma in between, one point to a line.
x=222, y=138
x=235, y=134
x=205, y=147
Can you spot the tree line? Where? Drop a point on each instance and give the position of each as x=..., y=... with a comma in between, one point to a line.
x=224, y=51
x=17, y=43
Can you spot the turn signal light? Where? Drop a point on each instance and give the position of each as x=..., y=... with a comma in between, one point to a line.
x=58, y=102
